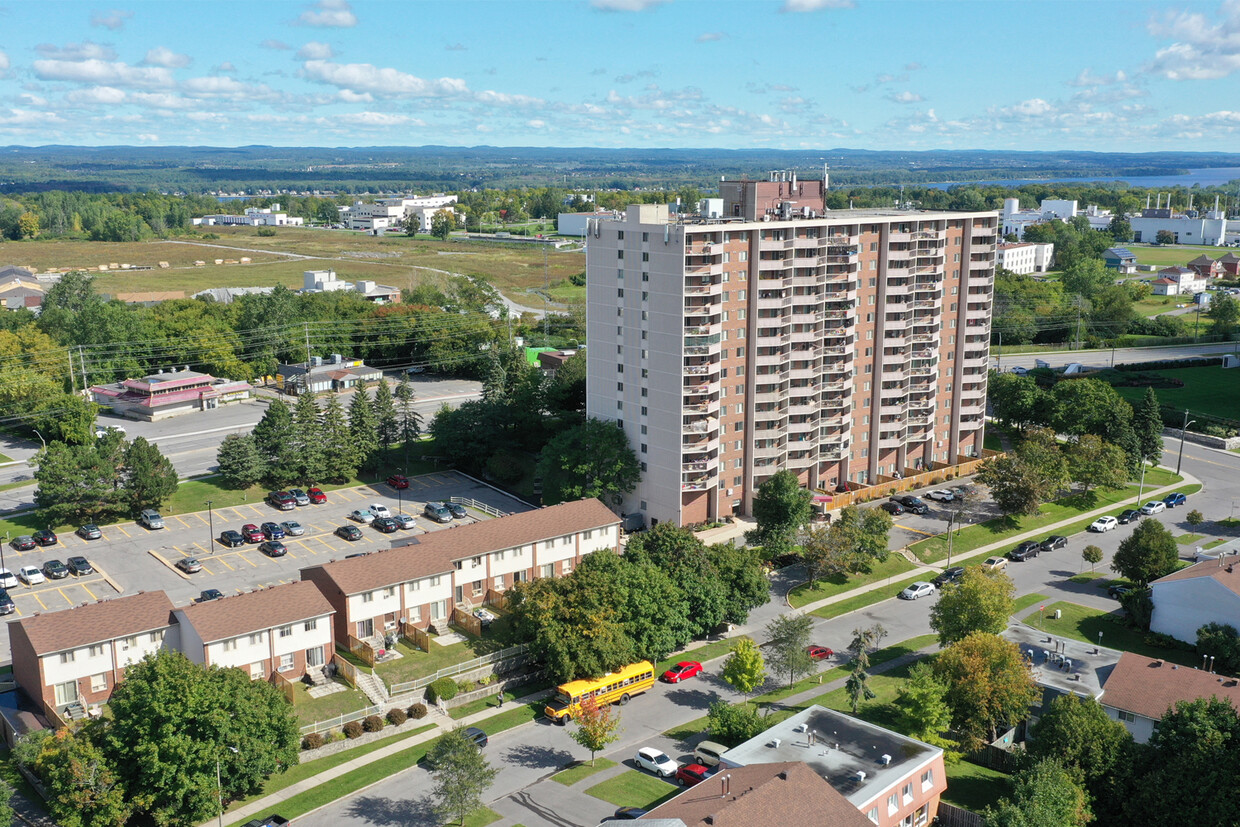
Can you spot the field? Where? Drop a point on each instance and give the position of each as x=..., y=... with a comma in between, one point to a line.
x=1171, y=256
x=1207, y=390
x=395, y=260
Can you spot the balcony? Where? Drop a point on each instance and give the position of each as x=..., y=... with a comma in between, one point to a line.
x=697, y=466
x=699, y=389
x=701, y=370
x=698, y=329
x=709, y=445
x=701, y=426
x=834, y=403
x=712, y=289
x=768, y=451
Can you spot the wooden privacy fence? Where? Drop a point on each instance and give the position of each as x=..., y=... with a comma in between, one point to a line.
x=953, y=816
x=494, y=599
x=362, y=650
x=418, y=638
x=886, y=486
x=286, y=686
x=505, y=660
x=346, y=670
x=465, y=620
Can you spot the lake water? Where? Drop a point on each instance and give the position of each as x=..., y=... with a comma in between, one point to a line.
x=1205, y=177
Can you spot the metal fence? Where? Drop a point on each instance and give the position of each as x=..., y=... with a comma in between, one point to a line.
x=457, y=669
x=341, y=720
x=481, y=506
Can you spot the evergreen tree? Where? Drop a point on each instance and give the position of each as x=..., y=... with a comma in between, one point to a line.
x=340, y=461
x=495, y=379
x=363, y=429
x=408, y=418
x=387, y=424
x=1148, y=425
x=149, y=476
x=240, y=463
x=308, y=447
x=274, y=437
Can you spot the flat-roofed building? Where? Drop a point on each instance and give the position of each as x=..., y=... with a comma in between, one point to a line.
x=169, y=393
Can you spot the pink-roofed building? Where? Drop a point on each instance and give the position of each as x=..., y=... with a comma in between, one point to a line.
x=173, y=393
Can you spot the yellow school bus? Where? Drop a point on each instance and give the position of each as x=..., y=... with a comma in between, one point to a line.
x=613, y=688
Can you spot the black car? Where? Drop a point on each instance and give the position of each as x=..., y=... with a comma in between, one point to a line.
x=477, y=736
x=55, y=570
x=80, y=566
x=1024, y=551
x=90, y=531
x=45, y=537
x=629, y=813
x=273, y=548
x=912, y=504
x=951, y=575
x=232, y=538
x=210, y=594
x=1117, y=591
x=386, y=524
x=892, y=508
x=7, y=606
x=1129, y=515
x=349, y=532
x=23, y=543
x=1053, y=542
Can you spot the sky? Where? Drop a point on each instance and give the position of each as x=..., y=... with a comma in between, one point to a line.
x=1106, y=75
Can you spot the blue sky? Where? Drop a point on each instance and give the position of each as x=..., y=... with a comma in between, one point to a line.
x=876, y=74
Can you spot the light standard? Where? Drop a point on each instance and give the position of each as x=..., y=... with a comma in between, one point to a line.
x=219, y=787
x=40, y=436
x=210, y=528
x=1187, y=422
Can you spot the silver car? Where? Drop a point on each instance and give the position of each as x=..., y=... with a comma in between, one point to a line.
x=293, y=528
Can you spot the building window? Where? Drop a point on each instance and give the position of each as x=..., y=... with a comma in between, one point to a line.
x=157, y=637
x=475, y=562
x=477, y=588
x=286, y=631
x=927, y=780
x=893, y=804
x=96, y=650
x=368, y=597
x=548, y=570
x=311, y=625
x=99, y=683
x=1127, y=717
x=256, y=639
x=67, y=657
x=589, y=532
x=258, y=670
x=872, y=815
x=907, y=793
x=230, y=645
x=286, y=662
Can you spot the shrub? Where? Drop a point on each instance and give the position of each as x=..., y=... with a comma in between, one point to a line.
x=1194, y=518
x=396, y=717
x=466, y=686
x=352, y=730
x=313, y=741
x=487, y=680
x=372, y=723
x=505, y=467
x=417, y=712
x=579, y=279
x=444, y=689
x=266, y=232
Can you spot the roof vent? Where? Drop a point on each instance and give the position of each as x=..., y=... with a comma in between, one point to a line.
x=885, y=760
x=860, y=776
x=775, y=744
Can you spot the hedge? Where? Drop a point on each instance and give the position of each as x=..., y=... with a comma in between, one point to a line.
x=444, y=689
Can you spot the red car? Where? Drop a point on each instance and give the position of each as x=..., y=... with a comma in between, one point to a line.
x=681, y=671
x=691, y=774
x=316, y=496
x=252, y=533
x=818, y=652
x=398, y=481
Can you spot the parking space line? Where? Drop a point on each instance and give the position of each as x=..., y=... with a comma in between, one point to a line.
x=237, y=513
x=200, y=548
x=257, y=510
x=202, y=519
x=122, y=530
x=65, y=596
x=179, y=520
x=206, y=569
x=88, y=591
x=248, y=560
x=40, y=602
x=225, y=563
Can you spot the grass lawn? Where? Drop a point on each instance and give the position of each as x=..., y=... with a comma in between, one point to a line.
x=1170, y=255
x=465, y=710
x=1025, y=601
x=1188, y=539
x=1153, y=305
x=416, y=663
x=701, y=654
x=633, y=789
x=1083, y=623
x=975, y=787
x=480, y=817
x=1214, y=543
x=312, y=710
x=5, y=458
x=831, y=586
x=1204, y=391
x=860, y=601
x=992, y=441
x=1087, y=577
x=572, y=775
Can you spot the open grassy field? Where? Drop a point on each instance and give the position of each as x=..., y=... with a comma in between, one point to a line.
x=1173, y=255
x=1153, y=305
x=1207, y=390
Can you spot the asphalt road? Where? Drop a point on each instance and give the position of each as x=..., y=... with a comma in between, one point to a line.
x=1106, y=358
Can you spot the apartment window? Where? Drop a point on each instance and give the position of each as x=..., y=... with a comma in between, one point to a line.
x=873, y=266
x=726, y=294
x=643, y=467
x=619, y=405
x=620, y=386
x=98, y=683
x=865, y=420
x=256, y=639
x=643, y=447
x=740, y=408
x=869, y=351
x=368, y=597
x=955, y=256
x=311, y=625
x=953, y=306
x=736, y=446
x=644, y=354
x=643, y=430
x=645, y=256
x=740, y=296
x=620, y=273
x=740, y=315
x=286, y=662
x=286, y=631
x=643, y=392
x=645, y=317
x=645, y=277
x=743, y=255
x=955, y=290
x=870, y=299
x=872, y=815
x=96, y=650
x=230, y=645
x=620, y=255
x=643, y=506
x=869, y=369
x=643, y=410
x=645, y=296
x=620, y=235
x=927, y=780
x=737, y=480
x=1126, y=716
x=67, y=657
x=645, y=236
x=893, y=804
x=258, y=670
x=725, y=275
x=725, y=316
x=907, y=793
x=738, y=463
x=740, y=390
x=619, y=311
x=865, y=452
x=620, y=293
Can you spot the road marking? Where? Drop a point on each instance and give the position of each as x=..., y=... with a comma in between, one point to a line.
x=207, y=570
x=248, y=560
x=225, y=563
x=915, y=530
x=201, y=518
x=179, y=520
x=65, y=596
x=200, y=548
x=237, y=513
x=40, y=602
x=88, y=591
x=257, y=510
x=123, y=531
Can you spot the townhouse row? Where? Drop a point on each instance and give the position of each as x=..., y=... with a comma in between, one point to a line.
x=70, y=662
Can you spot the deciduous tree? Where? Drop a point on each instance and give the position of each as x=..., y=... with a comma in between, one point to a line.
x=1078, y=732
x=981, y=601
x=744, y=670
x=443, y=222
x=596, y=727
x=462, y=774
x=1092, y=555
x=1225, y=313
x=780, y=507
x=592, y=460
x=1092, y=462
x=83, y=789
x=787, y=637
x=989, y=685
x=1147, y=553
x=922, y=700
x=1043, y=795
x=1220, y=641
x=733, y=724
x=1022, y=480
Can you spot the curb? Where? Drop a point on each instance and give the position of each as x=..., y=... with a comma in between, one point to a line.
x=107, y=578
x=175, y=570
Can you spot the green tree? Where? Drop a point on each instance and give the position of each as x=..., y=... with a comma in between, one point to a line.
x=1092, y=462
x=733, y=724
x=989, y=685
x=744, y=670
x=592, y=460
x=787, y=637
x=1194, y=518
x=28, y=225
x=1043, y=795
x=340, y=460
x=566, y=395
x=690, y=565
x=274, y=436
x=656, y=613
x=1164, y=237
x=462, y=774
x=922, y=701
x=409, y=421
x=149, y=476
x=80, y=483
x=1017, y=400
x=1092, y=555
x=363, y=428
x=83, y=788
x=741, y=571
x=1086, y=277
x=823, y=554
x=1120, y=230
x=1147, y=553
x=173, y=719
x=1225, y=313
x=387, y=422
x=1147, y=424
x=864, y=641
x=443, y=222
x=308, y=446
x=780, y=508
x=1077, y=731
x=981, y=601
x=596, y=727
x=1022, y=480
x=864, y=532
x=1220, y=641
x=239, y=461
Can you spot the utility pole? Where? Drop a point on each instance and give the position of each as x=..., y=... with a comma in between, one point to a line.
x=72, y=378
x=82, y=363
x=1183, y=431
x=307, y=329
x=999, y=353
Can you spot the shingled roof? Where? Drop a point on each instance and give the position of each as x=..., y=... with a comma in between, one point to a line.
x=246, y=613
x=97, y=622
x=1149, y=687
x=433, y=553
x=1222, y=571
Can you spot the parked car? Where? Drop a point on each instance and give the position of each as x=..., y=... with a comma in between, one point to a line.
x=655, y=761
x=817, y=652
x=625, y=813
x=437, y=512
x=709, y=753
x=273, y=548
x=7, y=606
x=385, y=524
x=45, y=537
x=30, y=575
x=273, y=531
x=691, y=774
x=1129, y=515
x=1153, y=507
x=282, y=500
x=378, y=510
x=995, y=563
x=916, y=590
x=912, y=504
x=477, y=737
x=316, y=495
x=1171, y=500
x=349, y=532
x=150, y=518
x=90, y=531
x=682, y=671
x=405, y=521
x=1103, y=524
x=1117, y=591
x=7, y=579
x=293, y=528
x=231, y=538
x=252, y=533
x=948, y=576
x=189, y=565
x=942, y=495
x=1024, y=551
x=1053, y=542
x=55, y=570
x=457, y=510
x=23, y=543
x=80, y=566
x=398, y=481
x=892, y=508
x=361, y=515
x=299, y=497
x=209, y=594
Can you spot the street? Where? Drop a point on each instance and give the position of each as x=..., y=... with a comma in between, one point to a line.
x=1105, y=358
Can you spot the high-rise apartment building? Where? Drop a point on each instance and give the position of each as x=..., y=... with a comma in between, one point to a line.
x=847, y=346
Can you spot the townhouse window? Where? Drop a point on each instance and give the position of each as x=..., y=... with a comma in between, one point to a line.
x=907, y=793
x=437, y=578
x=497, y=583
x=477, y=561
x=477, y=588
x=311, y=625
x=286, y=631
x=258, y=670
x=99, y=683
x=589, y=532
x=286, y=662
x=229, y=645
x=368, y=597
x=96, y=650
x=256, y=639
x=500, y=555
x=927, y=780
x=893, y=804
x=67, y=657
x=547, y=570
x=1127, y=717
x=872, y=815
x=416, y=585
x=128, y=643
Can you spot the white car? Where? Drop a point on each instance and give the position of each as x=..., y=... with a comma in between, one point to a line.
x=652, y=760
x=362, y=516
x=379, y=510
x=1103, y=524
x=7, y=579
x=995, y=563
x=943, y=495
x=1153, y=507
x=919, y=589
x=293, y=528
x=30, y=575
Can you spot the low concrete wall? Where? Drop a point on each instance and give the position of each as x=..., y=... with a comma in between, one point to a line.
x=1172, y=435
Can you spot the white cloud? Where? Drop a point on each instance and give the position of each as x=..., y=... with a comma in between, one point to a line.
x=905, y=97
x=25, y=117
x=111, y=20
x=162, y=56
x=710, y=37
x=349, y=96
x=148, y=137
x=376, y=119
x=1203, y=50
x=275, y=45
x=102, y=72
x=161, y=100
x=536, y=124
x=314, y=50
x=816, y=5
x=86, y=50
x=226, y=66
x=382, y=82
x=1087, y=78
x=96, y=96
x=32, y=100
x=335, y=14
x=4, y=63
x=625, y=5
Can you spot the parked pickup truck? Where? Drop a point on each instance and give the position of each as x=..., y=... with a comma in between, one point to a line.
x=269, y=821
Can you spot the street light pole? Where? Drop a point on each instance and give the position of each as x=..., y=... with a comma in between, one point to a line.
x=40, y=436
x=1141, y=488
x=1183, y=431
x=210, y=528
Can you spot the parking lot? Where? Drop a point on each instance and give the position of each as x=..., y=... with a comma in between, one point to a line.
x=130, y=558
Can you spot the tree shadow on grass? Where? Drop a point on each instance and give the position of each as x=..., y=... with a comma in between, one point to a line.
x=976, y=793
x=1082, y=500
x=394, y=812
